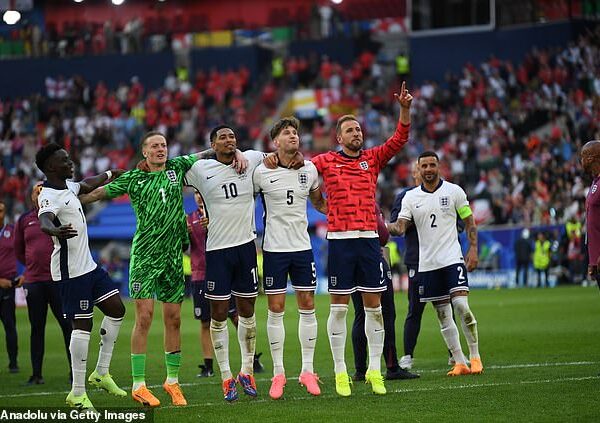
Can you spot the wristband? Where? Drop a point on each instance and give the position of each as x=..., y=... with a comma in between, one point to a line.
x=14, y=282
x=108, y=174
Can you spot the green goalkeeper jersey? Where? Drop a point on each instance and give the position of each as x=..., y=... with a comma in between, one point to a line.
x=157, y=200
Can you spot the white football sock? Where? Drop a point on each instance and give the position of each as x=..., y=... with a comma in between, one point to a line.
x=307, y=332
x=109, y=330
x=336, y=330
x=276, y=334
x=80, y=341
x=450, y=331
x=247, y=339
x=468, y=322
x=375, y=335
x=219, y=334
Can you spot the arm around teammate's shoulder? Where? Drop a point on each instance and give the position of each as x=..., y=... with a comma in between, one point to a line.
x=96, y=195
x=89, y=184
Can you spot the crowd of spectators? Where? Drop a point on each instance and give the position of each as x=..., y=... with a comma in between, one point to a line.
x=79, y=38
x=511, y=133
x=508, y=133
x=101, y=128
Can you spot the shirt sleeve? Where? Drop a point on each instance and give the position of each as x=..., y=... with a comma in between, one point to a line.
x=314, y=175
x=383, y=153
x=405, y=210
x=119, y=186
x=193, y=175
x=255, y=158
x=74, y=187
x=461, y=203
x=184, y=163
x=397, y=206
x=47, y=203
x=257, y=179
x=318, y=162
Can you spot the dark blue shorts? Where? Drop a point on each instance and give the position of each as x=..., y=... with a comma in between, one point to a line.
x=355, y=265
x=202, y=305
x=300, y=265
x=231, y=271
x=79, y=295
x=439, y=284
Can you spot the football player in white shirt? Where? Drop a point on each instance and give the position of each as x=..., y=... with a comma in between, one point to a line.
x=433, y=208
x=230, y=252
x=83, y=284
x=287, y=250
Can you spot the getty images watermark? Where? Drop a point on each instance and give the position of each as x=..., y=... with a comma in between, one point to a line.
x=46, y=414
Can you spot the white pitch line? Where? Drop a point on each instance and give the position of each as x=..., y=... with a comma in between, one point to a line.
x=400, y=391
x=493, y=367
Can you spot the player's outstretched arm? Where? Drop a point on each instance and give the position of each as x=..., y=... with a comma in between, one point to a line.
x=399, y=227
x=472, y=254
x=318, y=201
x=61, y=232
x=96, y=195
x=89, y=184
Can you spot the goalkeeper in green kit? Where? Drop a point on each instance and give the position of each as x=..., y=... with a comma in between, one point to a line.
x=156, y=255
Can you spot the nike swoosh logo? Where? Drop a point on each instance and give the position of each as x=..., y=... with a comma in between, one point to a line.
x=381, y=282
x=378, y=330
x=416, y=207
x=30, y=223
x=141, y=182
x=273, y=180
x=274, y=343
x=335, y=334
x=340, y=165
x=67, y=202
x=209, y=177
x=311, y=339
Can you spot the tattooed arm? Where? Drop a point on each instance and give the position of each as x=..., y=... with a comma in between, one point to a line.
x=472, y=254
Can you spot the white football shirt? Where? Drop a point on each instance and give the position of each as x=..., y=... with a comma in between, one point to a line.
x=284, y=193
x=228, y=198
x=71, y=257
x=434, y=215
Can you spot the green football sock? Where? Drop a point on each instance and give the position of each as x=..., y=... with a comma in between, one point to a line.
x=173, y=362
x=138, y=368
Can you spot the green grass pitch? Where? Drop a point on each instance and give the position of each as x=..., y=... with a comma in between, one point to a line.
x=540, y=349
